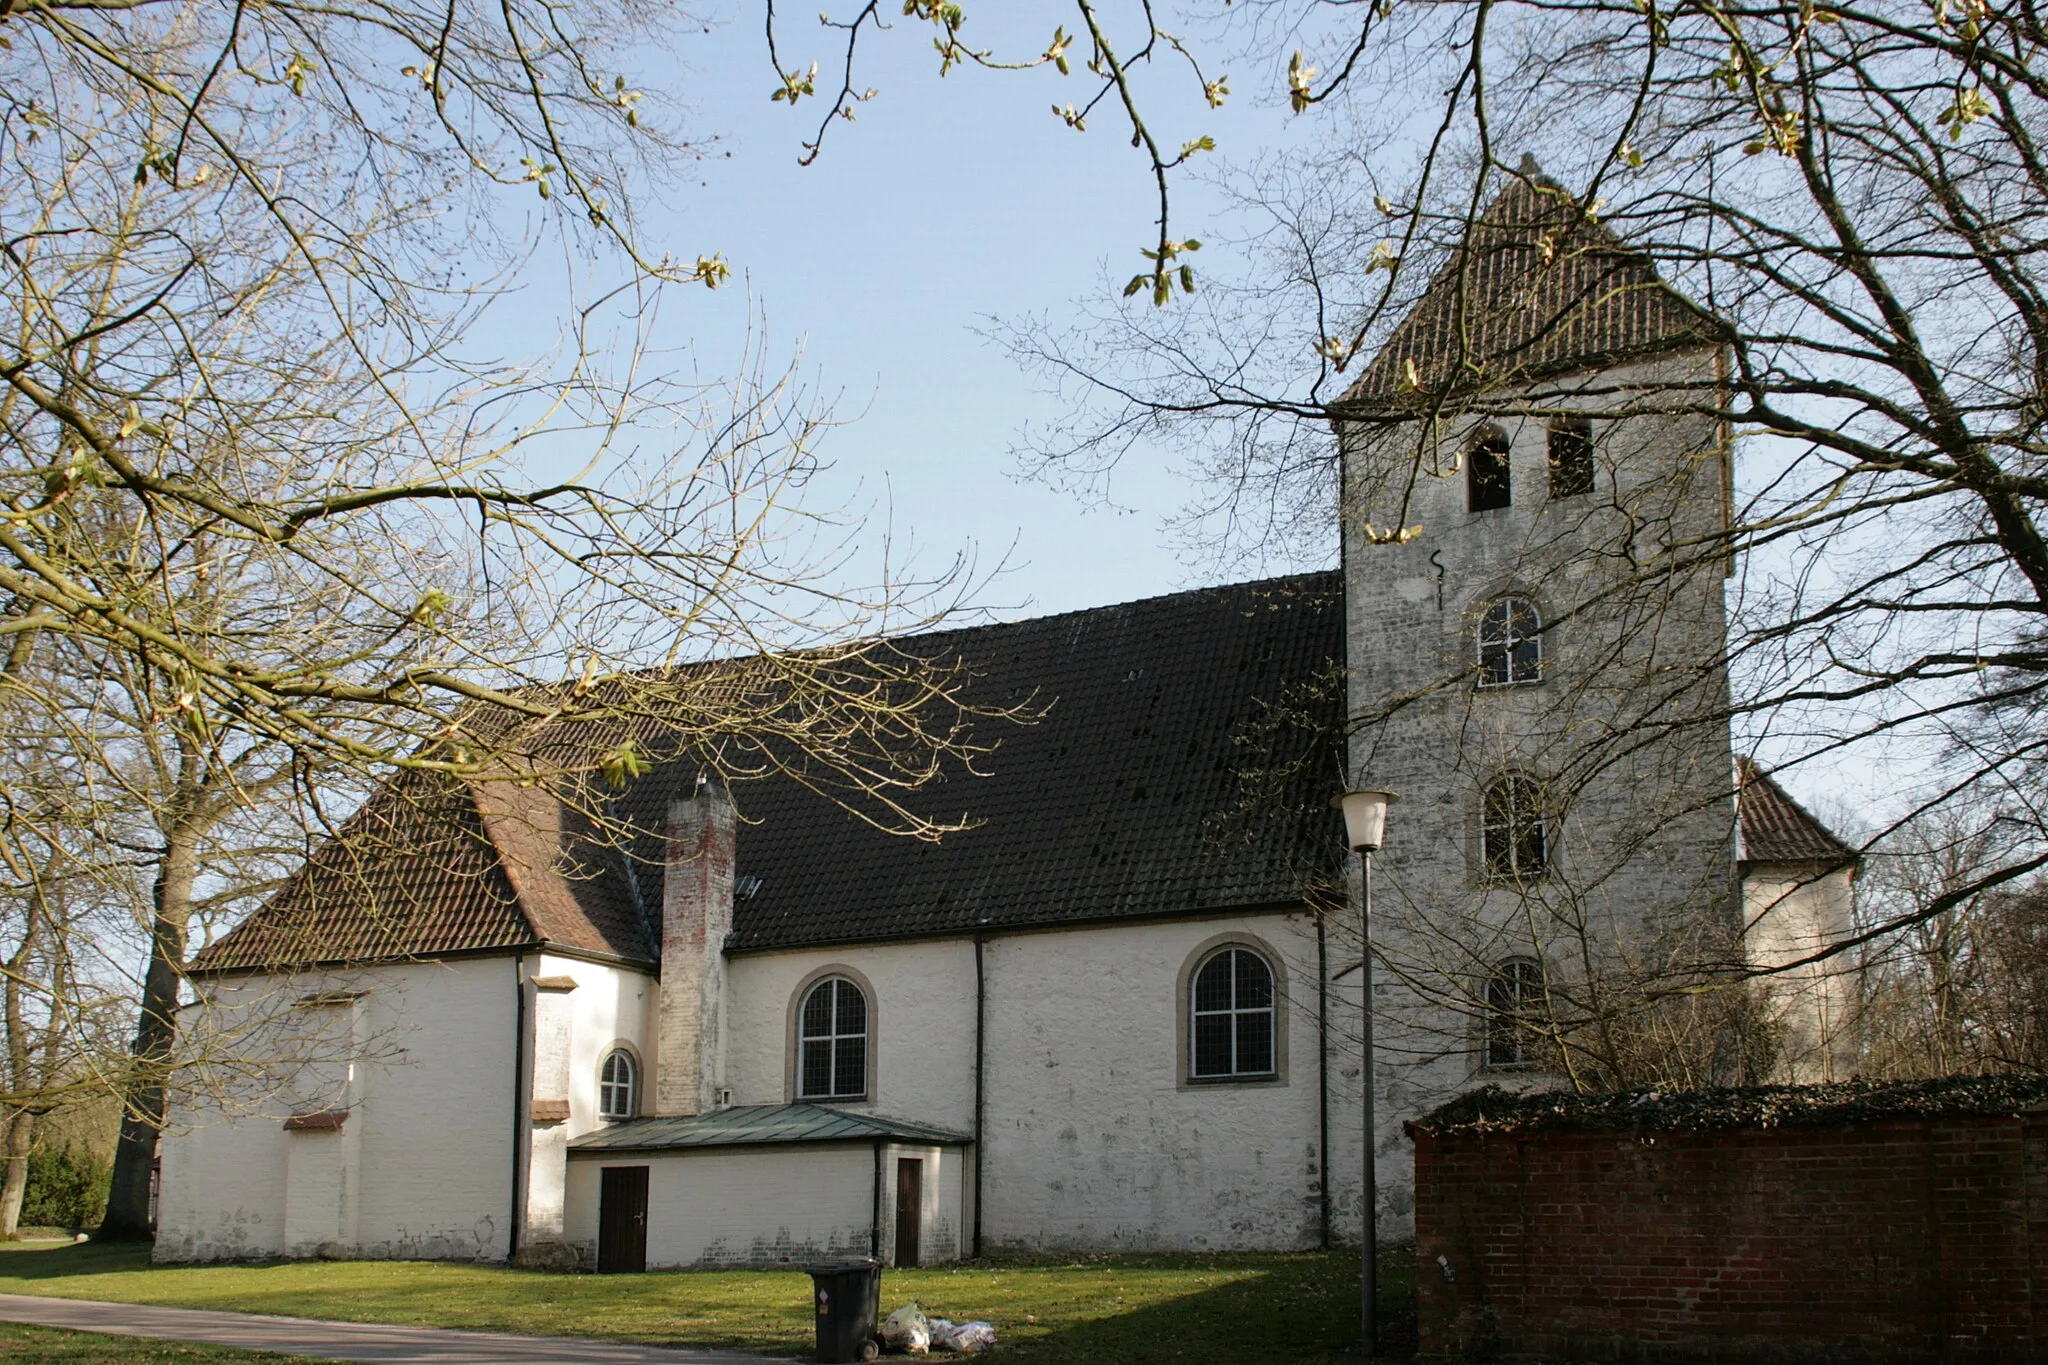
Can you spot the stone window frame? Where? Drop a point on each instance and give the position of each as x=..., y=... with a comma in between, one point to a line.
x=1184, y=990
x=792, y=1050
x=1508, y=638
x=637, y=1086
x=1523, y=975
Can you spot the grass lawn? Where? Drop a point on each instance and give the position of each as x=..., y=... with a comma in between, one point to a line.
x=1257, y=1310
x=93, y=1348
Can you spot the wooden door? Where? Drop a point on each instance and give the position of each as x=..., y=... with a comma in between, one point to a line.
x=622, y=1220
x=909, y=1207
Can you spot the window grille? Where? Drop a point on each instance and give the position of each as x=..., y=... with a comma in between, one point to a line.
x=1510, y=643
x=1231, y=1017
x=832, y=1042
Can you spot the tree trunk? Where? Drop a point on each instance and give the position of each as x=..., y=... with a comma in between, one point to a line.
x=21, y=1129
x=156, y=1036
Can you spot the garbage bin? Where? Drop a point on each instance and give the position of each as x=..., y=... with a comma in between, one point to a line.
x=848, y=1300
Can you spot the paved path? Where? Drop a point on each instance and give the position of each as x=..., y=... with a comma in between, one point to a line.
x=346, y=1340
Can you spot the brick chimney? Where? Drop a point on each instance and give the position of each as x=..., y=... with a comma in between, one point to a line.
x=696, y=915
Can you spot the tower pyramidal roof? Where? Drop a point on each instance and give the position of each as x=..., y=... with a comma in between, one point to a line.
x=1537, y=288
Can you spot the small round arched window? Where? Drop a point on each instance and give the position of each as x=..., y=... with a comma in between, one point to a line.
x=618, y=1085
x=1231, y=1011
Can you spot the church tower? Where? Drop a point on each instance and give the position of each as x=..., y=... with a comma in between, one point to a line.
x=1534, y=503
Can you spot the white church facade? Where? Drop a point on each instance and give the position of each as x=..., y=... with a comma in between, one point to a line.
x=1121, y=1012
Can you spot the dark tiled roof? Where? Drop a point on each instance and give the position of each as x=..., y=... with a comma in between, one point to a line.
x=1777, y=829
x=1182, y=762
x=1535, y=290
x=759, y=1123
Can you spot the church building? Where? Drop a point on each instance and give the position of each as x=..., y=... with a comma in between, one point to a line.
x=1121, y=1011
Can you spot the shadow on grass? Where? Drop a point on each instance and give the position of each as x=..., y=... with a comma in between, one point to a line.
x=47, y=1261
x=1299, y=1312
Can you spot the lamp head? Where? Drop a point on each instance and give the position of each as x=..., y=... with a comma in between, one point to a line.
x=1365, y=817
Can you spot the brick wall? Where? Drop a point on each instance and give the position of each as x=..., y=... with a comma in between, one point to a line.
x=1898, y=1240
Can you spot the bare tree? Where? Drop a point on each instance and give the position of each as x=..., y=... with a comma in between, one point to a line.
x=1844, y=204
x=277, y=523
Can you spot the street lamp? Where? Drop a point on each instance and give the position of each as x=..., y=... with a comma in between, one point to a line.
x=1365, y=825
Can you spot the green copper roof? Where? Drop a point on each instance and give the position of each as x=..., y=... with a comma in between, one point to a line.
x=758, y=1123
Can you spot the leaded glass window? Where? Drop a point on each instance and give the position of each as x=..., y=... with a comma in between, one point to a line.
x=832, y=1042
x=1231, y=1017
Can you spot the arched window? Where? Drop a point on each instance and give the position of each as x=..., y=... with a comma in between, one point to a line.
x=832, y=1042
x=1511, y=829
x=1231, y=1009
x=618, y=1086
x=1510, y=643
x=1486, y=472
x=1514, y=1000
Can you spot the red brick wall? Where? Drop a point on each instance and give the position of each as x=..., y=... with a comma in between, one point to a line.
x=1895, y=1241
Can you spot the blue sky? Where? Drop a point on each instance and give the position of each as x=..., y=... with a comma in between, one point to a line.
x=947, y=202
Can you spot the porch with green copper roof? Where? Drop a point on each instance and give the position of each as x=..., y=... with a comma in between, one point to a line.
x=758, y=1125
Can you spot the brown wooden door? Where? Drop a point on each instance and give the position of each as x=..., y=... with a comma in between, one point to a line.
x=622, y=1220
x=909, y=1207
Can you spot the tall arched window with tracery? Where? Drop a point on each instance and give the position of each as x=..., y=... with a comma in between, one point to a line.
x=832, y=1042
x=1510, y=643
x=1231, y=1012
x=1512, y=836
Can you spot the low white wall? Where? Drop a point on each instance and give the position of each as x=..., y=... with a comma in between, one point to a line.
x=757, y=1206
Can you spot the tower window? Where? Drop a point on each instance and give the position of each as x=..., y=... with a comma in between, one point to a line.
x=1510, y=643
x=1511, y=829
x=1571, y=457
x=1486, y=472
x=1514, y=998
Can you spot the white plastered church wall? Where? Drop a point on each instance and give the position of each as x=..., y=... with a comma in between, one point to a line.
x=1093, y=1136
x=422, y=1165
x=920, y=1026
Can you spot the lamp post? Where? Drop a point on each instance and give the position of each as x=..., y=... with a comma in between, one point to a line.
x=1365, y=825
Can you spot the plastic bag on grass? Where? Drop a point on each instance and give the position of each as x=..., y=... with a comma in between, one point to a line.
x=965, y=1336
x=908, y=1329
